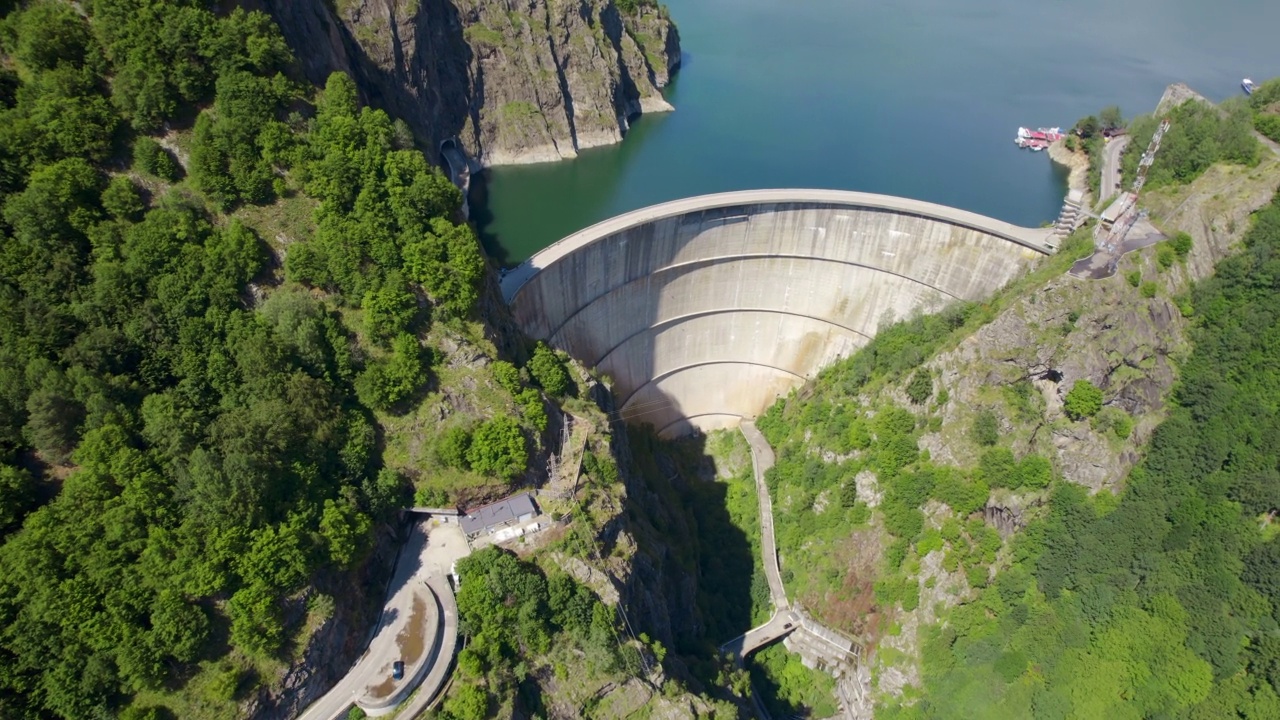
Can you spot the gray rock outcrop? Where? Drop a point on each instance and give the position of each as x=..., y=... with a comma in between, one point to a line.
x=514, y=81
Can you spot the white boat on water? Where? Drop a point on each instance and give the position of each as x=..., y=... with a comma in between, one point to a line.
x=1051, y=134
x=1248, y=86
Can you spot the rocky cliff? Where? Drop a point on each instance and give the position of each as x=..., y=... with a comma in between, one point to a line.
x=516, y=81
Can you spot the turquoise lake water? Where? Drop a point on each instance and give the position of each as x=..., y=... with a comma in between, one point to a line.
x=919, y=98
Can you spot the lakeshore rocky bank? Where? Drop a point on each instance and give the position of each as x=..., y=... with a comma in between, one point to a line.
x=1077, y=162
x=515, y=84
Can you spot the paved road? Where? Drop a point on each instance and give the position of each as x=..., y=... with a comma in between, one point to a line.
x=1111, y=166
x=422, y=558
x=761, y=461
x=409, y=572
x=783, y=623
x=442, y=663
x=1038, y=239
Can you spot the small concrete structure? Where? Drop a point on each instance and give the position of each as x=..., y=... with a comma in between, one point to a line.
x=493, y=518
x=704, y=310
x=822, y=648
x=1071, y=215
x=444, y=515
x=1117, y=209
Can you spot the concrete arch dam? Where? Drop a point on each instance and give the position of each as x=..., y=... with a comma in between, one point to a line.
x=704, y=310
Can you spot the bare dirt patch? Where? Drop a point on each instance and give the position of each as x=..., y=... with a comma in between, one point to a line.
x=849, y=609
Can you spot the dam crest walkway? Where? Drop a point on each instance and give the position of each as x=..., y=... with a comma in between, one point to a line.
x=1041, y=240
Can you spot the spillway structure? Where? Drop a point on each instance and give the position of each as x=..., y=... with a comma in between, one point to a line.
x=704, y=310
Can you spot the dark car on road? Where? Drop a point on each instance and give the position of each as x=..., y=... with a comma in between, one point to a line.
x=397, y=670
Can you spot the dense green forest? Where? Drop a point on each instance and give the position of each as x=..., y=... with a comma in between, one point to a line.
x=1199, y=135
x=510, y=611
x=179, y=456
x=1265, y=102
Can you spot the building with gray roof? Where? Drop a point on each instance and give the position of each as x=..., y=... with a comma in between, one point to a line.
x=504, y=513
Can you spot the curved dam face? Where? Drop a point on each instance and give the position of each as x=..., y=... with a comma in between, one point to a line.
x=704, y=310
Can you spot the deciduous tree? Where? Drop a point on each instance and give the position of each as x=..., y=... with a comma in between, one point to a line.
x=549, y=371
x=498, y=448
x=1083, y=400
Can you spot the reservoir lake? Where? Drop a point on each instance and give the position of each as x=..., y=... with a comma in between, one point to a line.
x=918, y=98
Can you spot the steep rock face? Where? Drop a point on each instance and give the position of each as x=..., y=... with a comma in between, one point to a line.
x=658, y=590
x=1070, y=329
x=516, y=81
x=1077, y=164
x=1103, y=331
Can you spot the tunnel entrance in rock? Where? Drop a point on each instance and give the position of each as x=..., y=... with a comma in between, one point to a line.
x=1053, y=376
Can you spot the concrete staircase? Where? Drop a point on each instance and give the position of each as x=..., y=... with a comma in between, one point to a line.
x=1071, y=215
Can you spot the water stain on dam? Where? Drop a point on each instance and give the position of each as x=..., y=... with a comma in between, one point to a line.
x=809, y=351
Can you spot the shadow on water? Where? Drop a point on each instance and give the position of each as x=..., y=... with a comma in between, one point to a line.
x=521, y=209
x=705, y=562
x=482, y=218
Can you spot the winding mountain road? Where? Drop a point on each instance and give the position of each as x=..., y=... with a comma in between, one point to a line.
x=1111, y=167
x=383, y=648
x=421, y=577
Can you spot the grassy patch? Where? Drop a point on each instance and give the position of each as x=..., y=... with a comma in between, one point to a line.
x=520, y=111
x=287, y=220
x=788, y=688
x=483, y=35
x=652, y=49
x=732, y=457
x=520, y=120
x=212, y=693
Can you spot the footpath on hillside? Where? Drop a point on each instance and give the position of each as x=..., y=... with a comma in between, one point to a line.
x=761, y=460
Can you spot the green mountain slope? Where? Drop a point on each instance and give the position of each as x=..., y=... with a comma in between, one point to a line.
x=1059, y=503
